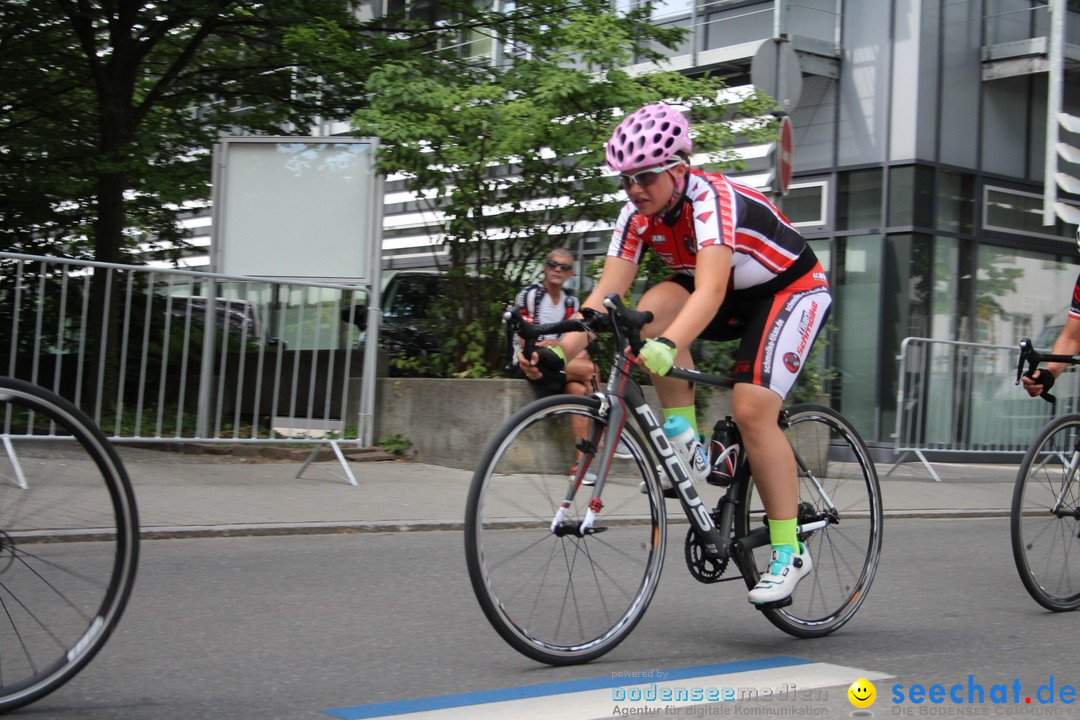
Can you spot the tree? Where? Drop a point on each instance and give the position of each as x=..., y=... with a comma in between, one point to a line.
x=111, y=108
x=511, y=154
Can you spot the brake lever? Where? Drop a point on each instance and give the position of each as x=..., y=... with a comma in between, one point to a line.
x=1029, y=355
x=1025, y=351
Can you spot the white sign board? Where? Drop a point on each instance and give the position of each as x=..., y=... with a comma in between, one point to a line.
x=297, y=207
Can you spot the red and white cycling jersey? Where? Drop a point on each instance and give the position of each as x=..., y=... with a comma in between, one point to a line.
x=779, y=296
x=717, y=211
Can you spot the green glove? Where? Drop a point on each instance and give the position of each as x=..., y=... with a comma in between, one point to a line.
x=658, y=355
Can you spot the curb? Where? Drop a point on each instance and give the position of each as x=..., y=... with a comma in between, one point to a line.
x=403, y=526
x=269, y=453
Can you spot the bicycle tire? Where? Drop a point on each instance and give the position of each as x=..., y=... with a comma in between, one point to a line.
x=69, y=542
x=846, y=552
x=1045, y=545
x=561, y=600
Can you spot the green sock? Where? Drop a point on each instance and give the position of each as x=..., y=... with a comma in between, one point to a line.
x=685, y=412
x=782, y=532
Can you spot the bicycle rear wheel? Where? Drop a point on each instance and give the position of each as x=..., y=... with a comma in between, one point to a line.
x=69, y=539
x=838, y=483
x=1045, y=517
x=561, y=597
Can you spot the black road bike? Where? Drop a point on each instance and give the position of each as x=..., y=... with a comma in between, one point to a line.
x=564, y=571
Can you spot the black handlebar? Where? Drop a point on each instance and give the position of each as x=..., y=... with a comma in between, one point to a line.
x=1032, y=358
x=625, y=322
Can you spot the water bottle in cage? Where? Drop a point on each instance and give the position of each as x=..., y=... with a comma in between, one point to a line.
x=723, y=452
x=686, y=443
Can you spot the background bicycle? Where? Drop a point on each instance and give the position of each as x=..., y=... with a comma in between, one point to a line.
x=1044, y=519
x=564, y=572
x=69, y=541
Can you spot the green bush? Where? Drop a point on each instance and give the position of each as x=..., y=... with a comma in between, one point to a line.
x=394, y=444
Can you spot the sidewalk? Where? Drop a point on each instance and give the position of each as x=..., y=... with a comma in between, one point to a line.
x=192, y=495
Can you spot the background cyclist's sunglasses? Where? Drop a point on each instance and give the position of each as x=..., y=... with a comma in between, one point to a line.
x=645, y=178
x=562, y=266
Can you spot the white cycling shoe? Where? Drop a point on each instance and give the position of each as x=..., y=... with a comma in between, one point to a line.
x=786, y=569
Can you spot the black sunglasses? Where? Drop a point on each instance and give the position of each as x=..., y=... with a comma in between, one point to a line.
x=562, y=266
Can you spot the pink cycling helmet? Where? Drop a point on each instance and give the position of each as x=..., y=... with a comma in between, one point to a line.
x=647, y=136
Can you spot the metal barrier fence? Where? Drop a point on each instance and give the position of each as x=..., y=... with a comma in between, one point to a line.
x=959, y=397
x=160, y=356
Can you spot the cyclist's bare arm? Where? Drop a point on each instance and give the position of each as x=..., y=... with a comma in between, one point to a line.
x=1067, y=343
x=711, y=274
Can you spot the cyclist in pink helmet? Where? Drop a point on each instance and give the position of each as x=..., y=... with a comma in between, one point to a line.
x=740, y=270
x=649, y=135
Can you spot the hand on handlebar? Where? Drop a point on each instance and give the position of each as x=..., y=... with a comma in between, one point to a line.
x=1037, y=382
x=546, y=362
x=658, y=356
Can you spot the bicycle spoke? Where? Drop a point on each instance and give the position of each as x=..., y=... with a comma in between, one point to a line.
x=68, y=545
x=1044, y=520
x=560, y=597
x=837, y=481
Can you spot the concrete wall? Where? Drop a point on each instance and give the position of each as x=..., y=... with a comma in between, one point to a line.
x=449, y=422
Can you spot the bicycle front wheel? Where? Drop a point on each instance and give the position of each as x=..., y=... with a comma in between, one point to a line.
x=69, y=538
x=559, y=595
x=839, y=490
x=1045, y=517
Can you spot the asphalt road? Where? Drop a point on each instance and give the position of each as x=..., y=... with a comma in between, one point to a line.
x=271, y=628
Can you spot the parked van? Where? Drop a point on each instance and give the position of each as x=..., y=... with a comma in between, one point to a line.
x=408, y=299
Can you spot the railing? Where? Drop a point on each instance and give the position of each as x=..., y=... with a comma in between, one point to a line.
x=961, y=398
x=1007, y=21
x=167, y=356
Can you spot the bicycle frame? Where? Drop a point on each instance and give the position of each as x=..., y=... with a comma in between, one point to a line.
x=623, y=398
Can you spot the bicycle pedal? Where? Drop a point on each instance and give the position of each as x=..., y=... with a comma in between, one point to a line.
x=774, y=605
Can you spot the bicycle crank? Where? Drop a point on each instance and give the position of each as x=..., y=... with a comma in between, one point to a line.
x=703, y=568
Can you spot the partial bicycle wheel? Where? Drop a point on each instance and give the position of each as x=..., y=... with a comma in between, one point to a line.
x=69, y=540
x=838, y=484
x=1045, y=518
x=555, y=594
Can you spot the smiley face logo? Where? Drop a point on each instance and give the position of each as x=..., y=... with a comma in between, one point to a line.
x=862, y=693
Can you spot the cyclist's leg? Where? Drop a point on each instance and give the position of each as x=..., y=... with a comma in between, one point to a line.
x=755, y=409
x=579, y=428
x=780, y=333
x=582, y=371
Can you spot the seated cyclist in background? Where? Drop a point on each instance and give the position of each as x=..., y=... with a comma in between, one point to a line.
x=548, y=302
x=1067, y=343
x=740, y=270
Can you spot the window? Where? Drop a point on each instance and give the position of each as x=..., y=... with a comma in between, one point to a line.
x=858, y=202
x=956, y=201
x=804, y=205
x=911, y=196
x=1019, y=212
